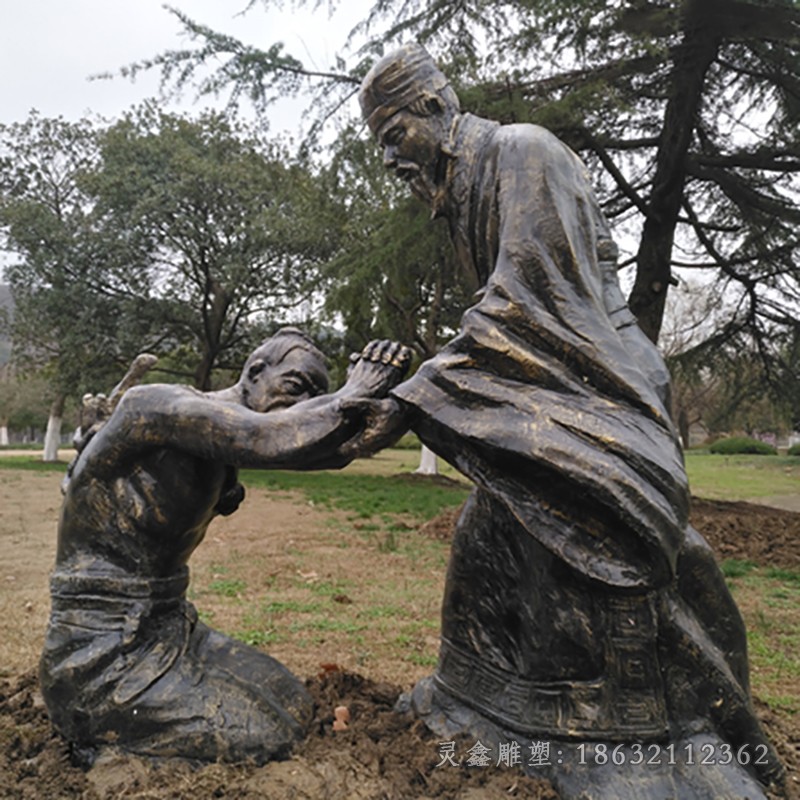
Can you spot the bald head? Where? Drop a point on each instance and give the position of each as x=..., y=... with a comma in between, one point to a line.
x=283, y=370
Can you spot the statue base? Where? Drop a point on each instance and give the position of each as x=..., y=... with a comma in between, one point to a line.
x=692, y=765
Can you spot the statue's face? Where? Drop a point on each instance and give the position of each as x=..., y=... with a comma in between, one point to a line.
x=267, y=387
x=412, y=148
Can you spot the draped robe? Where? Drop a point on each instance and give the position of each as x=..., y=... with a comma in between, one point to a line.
x=579, y=602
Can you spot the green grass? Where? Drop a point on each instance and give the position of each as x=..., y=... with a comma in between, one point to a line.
x=327, y=624
x=367, y=496
x=32, y=463
x=291, y=607
x=327, y=588
x=256, y=638
x=423, y=659
x=733, y=568
x=227, y=587
x=769, y=598
x=741, y=477
x=789, y=576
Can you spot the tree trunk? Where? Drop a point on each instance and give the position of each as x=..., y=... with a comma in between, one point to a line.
x=428, y=463
x=654, y=258
x=215, y=309
x=683, y=427
x=52, y=438
x=3, y=434
x=202, y=375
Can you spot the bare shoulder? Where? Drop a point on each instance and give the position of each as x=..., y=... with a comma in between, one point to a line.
x=157, y=393
x=135, y=423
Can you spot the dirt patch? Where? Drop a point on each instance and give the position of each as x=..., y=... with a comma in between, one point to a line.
x=742, y=531
x=318, y=563
x=748, y=532
x=29, y=506
x=382, y=755
x=441, y=527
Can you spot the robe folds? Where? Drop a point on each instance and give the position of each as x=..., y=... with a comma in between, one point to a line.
x=550, y=391
x=579, y=601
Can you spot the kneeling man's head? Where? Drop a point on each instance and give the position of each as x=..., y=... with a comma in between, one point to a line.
x=282, y=371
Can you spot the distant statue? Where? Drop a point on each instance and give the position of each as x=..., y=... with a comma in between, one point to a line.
x=126, y=661
x=580, y=606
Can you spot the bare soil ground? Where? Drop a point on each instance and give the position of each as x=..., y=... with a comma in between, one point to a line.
x=310, y=586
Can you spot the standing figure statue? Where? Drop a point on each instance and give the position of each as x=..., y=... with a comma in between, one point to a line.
x=126, y=661
x=580, y=607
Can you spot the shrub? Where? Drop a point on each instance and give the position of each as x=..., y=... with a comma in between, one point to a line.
x=742, y=444
x=794, y=450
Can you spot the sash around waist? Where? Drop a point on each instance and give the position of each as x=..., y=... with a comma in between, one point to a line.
x=71, y=585
x=95, y=610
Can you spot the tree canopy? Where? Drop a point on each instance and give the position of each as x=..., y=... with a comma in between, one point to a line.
x=163, y=232
x=187, y=238
x=216, y=220
x=690, y=108
x=61, y=323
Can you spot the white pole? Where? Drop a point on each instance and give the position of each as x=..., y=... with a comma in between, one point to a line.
x=428, y=463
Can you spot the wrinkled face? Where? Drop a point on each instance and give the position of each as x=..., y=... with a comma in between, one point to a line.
x=267, y=387
x=412, y=148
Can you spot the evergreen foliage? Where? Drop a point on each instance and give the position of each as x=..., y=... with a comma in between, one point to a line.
x=393, y=273
x=689, y=106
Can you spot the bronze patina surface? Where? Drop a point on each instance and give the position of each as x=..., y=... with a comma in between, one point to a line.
x=126, y=661
x=580, y=607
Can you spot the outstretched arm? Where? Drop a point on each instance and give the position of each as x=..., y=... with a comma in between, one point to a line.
x=186, y=420
x=309, y=435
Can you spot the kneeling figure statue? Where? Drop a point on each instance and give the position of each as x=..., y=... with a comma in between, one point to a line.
x=126, y=661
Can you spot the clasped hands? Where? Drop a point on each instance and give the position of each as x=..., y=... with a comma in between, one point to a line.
x=372, y=373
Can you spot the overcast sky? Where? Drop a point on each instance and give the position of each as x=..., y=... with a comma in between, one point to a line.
x=50, y=48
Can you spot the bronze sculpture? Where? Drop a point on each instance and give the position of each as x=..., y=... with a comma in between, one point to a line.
x=579, y=604
x=126, y=661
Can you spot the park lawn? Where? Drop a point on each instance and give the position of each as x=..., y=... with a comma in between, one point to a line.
x=713, y=477
x=363, y=588
x=769, y=599
x=374, y=498
x=31, y=463
x=742, y=477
